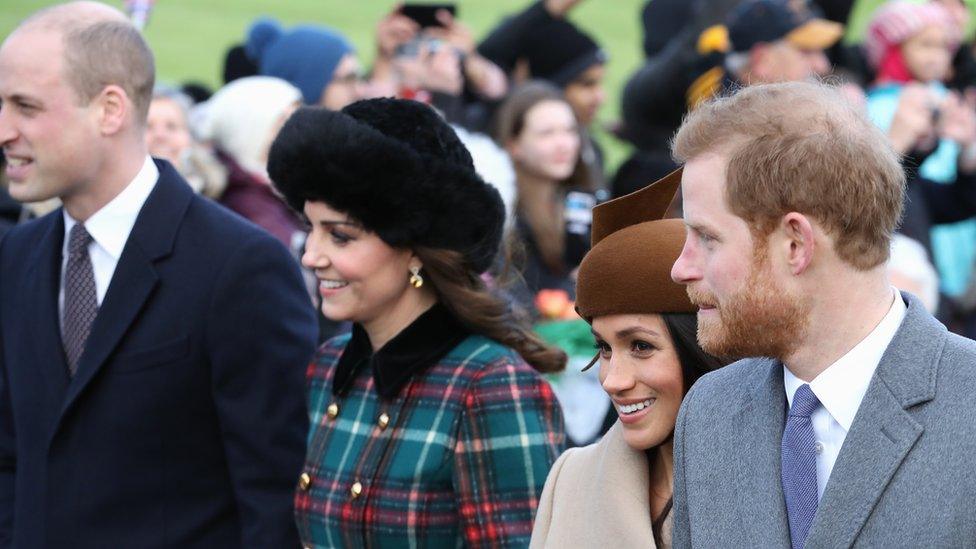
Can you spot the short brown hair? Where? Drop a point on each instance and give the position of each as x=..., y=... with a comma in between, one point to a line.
x=801, y=147
x=101, y=48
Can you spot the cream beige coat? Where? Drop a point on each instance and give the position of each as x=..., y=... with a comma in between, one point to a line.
x=597, y=497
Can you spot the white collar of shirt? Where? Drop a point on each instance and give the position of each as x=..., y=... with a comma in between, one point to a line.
x=841, y=387
x=110, y=226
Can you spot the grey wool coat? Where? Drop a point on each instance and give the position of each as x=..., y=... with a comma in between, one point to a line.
x=905, y=476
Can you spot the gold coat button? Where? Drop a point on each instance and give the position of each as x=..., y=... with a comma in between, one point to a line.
x=356, y=490
x=383, y=421
x=333, y=410
x=304, y=481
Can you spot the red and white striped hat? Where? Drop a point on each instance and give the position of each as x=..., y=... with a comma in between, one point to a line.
x=896, y=22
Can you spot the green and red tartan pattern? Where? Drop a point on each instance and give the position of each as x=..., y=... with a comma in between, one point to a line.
x=462, y=463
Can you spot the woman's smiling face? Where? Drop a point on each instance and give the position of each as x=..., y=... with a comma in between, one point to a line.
x=640, y=370
x=360, y=276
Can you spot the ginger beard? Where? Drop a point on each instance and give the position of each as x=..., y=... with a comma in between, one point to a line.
x=761, y=319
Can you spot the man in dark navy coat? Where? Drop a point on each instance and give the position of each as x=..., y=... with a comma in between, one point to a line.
x=152, y=345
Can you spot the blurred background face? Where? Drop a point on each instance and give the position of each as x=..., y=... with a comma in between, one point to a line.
x=167, y=132
x=927, y=54
x=360, y=276
x=586, y=94
x=640, y=370
x=549, y=143
x=346, y=86
x=784, y=62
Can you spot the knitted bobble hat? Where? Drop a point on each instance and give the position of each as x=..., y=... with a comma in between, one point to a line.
x=306, y=56
x=896, y=22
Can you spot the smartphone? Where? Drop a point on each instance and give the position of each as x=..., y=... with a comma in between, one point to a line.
x=425, y=15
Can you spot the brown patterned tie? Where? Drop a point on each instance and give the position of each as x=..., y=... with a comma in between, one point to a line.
x=80, y=298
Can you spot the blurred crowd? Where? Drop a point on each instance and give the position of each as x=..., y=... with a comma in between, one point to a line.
x=524, y=100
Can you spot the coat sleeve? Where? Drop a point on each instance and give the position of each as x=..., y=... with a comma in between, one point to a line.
x=506, y=42
x=510, y=433
x=949, y=203
x=8, y=449
x=543, y=518
x=261, y=334
x=681, y=533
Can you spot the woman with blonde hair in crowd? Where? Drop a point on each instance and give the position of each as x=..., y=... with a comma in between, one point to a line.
x=168, y=137
x=241, y=120
x=431, y=423
x=645, y=327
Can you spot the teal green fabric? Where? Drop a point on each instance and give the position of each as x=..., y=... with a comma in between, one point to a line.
x=462, y=461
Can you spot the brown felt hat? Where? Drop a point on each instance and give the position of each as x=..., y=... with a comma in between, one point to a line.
x=628, y=268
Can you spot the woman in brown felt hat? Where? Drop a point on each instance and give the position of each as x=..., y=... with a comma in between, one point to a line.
x=645, y=328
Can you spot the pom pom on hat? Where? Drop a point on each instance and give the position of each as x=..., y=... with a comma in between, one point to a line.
x=306, y=55
x=260, y=36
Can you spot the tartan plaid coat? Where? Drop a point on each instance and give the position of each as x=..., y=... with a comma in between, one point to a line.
x=455, y=455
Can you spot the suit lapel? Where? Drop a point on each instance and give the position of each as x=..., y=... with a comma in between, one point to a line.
x=43, y=291
x=883, y=432
x=152, y=238
x=757, y=434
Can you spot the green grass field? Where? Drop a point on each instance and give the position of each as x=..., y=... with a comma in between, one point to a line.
x=190, y=37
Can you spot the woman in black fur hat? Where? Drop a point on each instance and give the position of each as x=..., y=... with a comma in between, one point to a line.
x=431, y=421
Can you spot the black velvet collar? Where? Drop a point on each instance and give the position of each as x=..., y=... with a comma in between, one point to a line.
x=415, y=349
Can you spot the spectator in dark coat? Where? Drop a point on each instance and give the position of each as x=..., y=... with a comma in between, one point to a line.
x=762, y=41
x=11, y=212
x=540, y=43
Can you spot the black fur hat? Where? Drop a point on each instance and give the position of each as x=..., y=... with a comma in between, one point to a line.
x=396, y=167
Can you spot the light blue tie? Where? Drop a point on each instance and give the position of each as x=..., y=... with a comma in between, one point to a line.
x=799, y=456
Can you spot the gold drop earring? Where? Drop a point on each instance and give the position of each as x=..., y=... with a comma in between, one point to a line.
x=415, y=279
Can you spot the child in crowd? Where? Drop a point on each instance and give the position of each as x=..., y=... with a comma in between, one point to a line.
x=910, y=46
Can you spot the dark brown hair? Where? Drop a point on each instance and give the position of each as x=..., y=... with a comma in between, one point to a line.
x=510, y=120
x=548, y=232
x=465, y=294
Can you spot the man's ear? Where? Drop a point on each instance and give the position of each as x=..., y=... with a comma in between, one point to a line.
x=800, y=237
x=114, y=108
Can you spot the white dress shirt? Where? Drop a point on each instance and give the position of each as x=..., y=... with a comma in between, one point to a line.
x=841, y=387
x=109, y=228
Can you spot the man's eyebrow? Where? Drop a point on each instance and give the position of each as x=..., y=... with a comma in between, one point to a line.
x=699, y=227
x=20, y=98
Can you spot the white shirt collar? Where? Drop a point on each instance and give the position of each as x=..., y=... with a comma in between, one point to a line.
x=841, y=387
x=110, y=226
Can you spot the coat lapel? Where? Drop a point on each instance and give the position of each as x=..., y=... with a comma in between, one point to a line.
x=883, y=431
x=757, y=434
x=43, y=291
x=152, y=238
x=623, y=472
